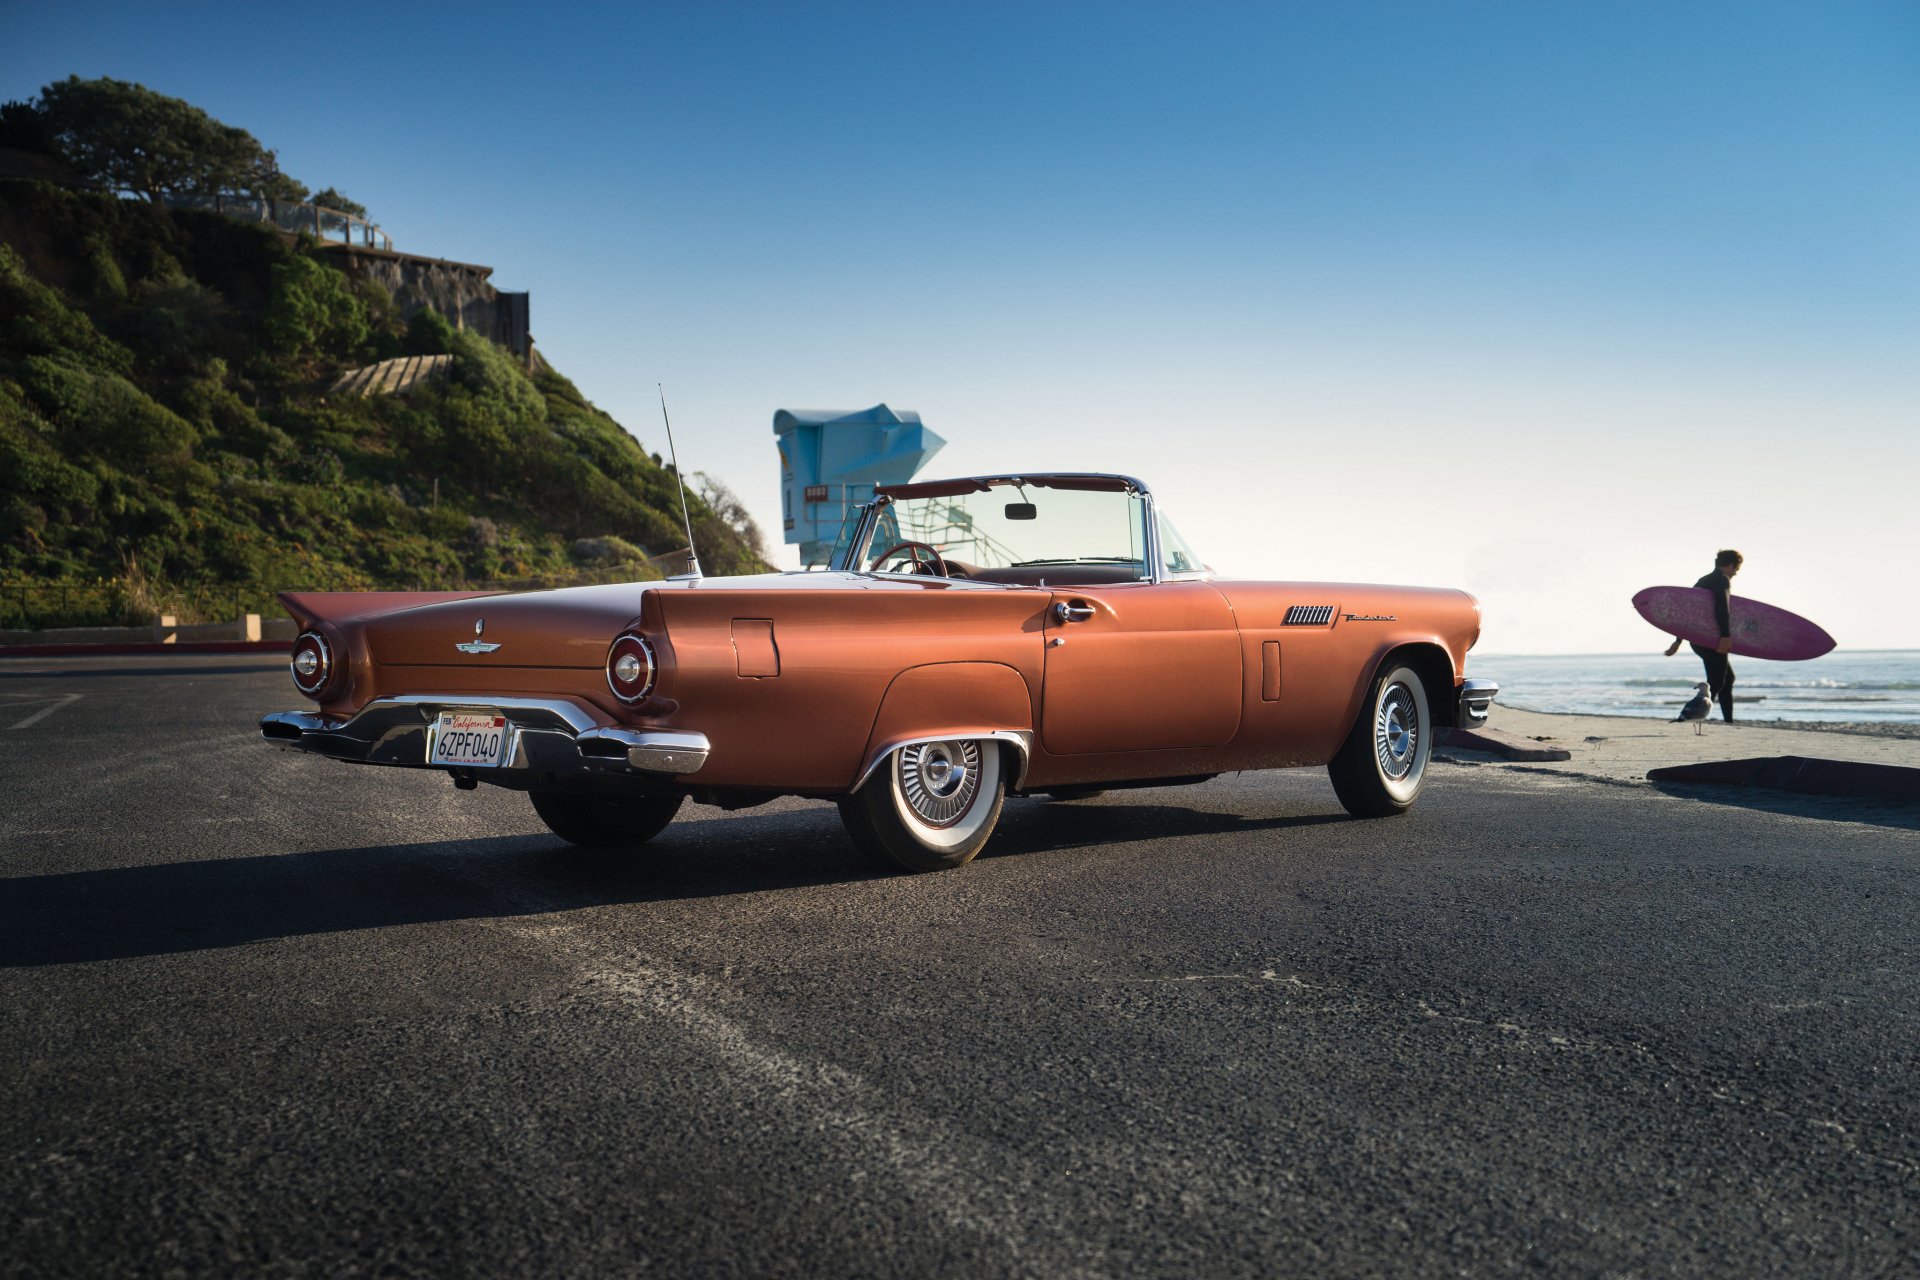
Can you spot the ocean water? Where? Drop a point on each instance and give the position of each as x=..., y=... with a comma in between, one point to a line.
x=1878, y=685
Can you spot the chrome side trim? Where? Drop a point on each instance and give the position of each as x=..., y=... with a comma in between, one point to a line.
x=650, y=750
x=1156, y=567
x=1476, y=702
x=1020, y=738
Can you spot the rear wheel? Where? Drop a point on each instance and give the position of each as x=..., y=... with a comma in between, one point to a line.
x=604, y=821
x=930, y=807
x=1379, y=768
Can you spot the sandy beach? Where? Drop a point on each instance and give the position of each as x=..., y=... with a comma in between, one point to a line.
x=1624, y=748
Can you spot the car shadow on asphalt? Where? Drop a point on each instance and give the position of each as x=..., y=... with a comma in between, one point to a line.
x=172, y=907
x=1904, y=815
x=1030, y=826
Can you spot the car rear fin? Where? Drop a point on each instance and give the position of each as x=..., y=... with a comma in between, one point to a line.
x=310, y=607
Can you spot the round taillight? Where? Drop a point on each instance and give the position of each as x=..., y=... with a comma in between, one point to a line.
x=630, y=668
x=312, y=663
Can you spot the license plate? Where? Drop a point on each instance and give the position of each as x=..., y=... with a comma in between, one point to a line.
x=475, y=739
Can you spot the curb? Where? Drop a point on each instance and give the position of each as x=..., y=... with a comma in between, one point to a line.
x=1803, y=774
x=143, y=650
x=1503, y=744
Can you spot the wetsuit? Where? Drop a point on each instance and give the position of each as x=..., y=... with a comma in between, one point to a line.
x=1719, y=665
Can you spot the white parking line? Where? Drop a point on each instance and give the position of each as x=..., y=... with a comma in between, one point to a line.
x=46, y=711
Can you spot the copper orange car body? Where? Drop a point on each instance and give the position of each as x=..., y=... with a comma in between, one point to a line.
x=809, y=683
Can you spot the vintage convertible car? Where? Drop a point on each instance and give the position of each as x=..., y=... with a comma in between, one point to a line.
x=1034, y=634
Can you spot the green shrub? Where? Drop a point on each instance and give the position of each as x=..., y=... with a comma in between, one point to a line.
x=175, y=324
x=429, y=333
x=34, y=321
x=160, y=267
x=29, y=463
x=606, y=550
x=310, y=309
x=102, y=271
x=47, y=477
x=320, y=466
x=495, y=379
x=106, y=414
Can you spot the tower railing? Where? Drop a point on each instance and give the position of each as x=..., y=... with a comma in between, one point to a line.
x=293, y=217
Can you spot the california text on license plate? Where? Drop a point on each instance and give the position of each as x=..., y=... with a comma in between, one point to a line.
x=471, y=738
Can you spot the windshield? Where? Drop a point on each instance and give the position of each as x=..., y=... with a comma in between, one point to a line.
x=1013, y=527
x=1175, y=555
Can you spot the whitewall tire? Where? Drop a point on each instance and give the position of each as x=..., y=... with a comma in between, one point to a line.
x=931, y=805
x=1380, y=767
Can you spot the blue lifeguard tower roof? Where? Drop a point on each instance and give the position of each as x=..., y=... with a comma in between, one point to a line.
x=830, y=461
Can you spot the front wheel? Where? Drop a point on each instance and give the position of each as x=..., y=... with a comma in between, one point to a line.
x=604, y=821
x=1379, y=768
x=930, y=807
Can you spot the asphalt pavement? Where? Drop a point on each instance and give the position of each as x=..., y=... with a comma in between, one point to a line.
x=265, y=1014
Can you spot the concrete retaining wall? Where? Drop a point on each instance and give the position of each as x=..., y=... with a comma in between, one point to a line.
x=460, y=291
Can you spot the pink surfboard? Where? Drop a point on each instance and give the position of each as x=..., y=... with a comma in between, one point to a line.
x=1759, y=630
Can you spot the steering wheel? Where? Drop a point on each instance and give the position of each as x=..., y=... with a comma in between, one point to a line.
x=931, y=564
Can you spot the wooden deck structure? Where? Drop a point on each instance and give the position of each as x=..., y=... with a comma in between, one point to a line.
x=389, y=377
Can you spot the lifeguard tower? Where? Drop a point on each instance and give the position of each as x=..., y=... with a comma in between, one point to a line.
x=830, y=461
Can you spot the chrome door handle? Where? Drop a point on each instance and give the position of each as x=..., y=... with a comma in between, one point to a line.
x=1064, y=612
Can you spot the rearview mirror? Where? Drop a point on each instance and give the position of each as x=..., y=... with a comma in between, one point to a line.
x=1022, y=511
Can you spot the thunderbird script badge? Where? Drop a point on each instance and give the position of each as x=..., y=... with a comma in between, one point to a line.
x=477, y=645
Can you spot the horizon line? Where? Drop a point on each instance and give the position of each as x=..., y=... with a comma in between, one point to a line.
x=1637, y=653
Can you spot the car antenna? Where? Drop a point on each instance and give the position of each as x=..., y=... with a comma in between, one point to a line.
x=693, y=557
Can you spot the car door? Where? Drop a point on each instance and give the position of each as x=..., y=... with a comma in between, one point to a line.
x=1140, y=666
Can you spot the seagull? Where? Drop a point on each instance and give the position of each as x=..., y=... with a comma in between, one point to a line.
x=1697, y=710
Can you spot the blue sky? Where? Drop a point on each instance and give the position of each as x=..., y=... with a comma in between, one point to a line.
x=1545, y=301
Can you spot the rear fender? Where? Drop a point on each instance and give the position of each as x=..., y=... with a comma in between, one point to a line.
x=952, y=700
x=334, y=614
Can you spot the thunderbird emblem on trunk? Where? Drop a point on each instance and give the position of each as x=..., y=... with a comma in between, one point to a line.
x=477, y=645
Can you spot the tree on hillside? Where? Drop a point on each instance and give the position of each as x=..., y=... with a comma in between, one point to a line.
x=731, y=512
x=273, y=184
x=331, y=198
x=130, y=138
x=23, y=126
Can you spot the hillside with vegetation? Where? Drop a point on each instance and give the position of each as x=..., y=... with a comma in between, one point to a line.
x=166, y=427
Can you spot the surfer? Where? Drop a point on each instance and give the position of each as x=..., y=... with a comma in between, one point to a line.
x=1719, y=665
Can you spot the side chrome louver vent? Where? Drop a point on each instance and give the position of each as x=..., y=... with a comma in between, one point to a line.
x=1308, y=615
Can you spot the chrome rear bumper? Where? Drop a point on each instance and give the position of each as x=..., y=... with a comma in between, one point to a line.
x=1476, y=702
x=544, y=736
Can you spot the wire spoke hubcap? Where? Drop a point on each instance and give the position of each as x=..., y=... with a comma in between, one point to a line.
x=939, y=780
x=1396, y=733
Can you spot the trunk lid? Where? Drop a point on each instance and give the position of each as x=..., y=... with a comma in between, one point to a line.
x=571, y=627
